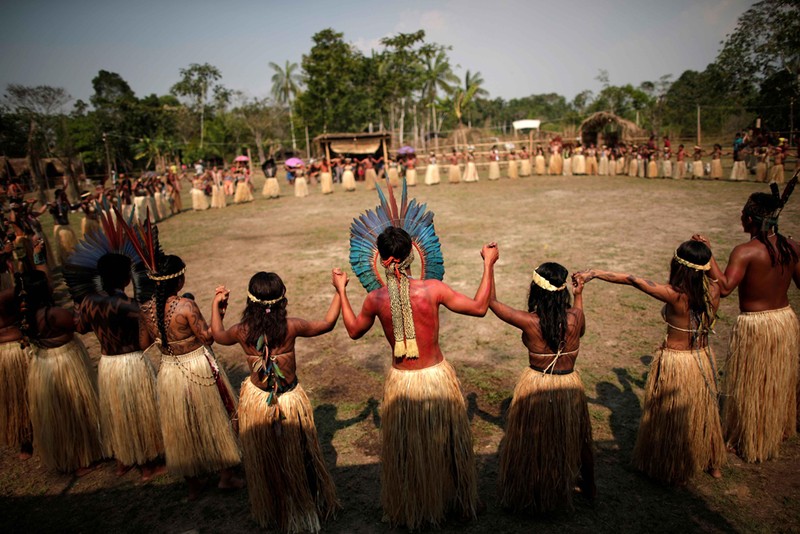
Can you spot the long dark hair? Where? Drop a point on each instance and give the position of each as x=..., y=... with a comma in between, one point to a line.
x=692, y=283
x=168, y=265
x=31, y=293
x=268, y=320
x=551, y=306
x=761, y=207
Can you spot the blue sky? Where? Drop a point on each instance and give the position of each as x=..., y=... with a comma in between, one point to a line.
x=520, y=47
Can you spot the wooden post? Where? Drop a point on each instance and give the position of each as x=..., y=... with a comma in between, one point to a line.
x=699, y=137
x=385, y=152
x=308, y=145
x=250, y=162
x=327, y=152
x=530, y=141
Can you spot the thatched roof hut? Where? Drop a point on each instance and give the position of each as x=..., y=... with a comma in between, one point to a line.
x=354, y=143
x=605, y=128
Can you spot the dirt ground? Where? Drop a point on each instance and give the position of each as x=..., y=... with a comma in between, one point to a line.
x=617, y=223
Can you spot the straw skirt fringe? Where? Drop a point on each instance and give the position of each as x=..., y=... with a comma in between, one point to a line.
x=540, y=455
x=370, y=177
x=129, y=423
x=470, y=173
x=680, y=432
x=776, y=174
x=411, y=177
x=300, y=187
x=65, y=242
x=243, y=193
x=325, y=183
x=453, y=174
x=525, y=168
x=273, y=190
x=289, y=486
x=427, y=461
x=63, y=407
x=494, y=170
x=89, y=226
x=432, y=174
x=760, y=409
x=15, y=421
x=556, y=165
x=218, y=197
x=348, y=181
x=539, y=165
x=716, y=169
x=198, y=437
x=513, y=169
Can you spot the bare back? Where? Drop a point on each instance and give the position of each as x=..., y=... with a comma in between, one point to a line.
x=762, y=286
x=114, y=319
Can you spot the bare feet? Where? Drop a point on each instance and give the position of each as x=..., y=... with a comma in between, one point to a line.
x=122, y=469
x=151, y=470
x=26, y=451
x=715, y=472
x=24, y=455
x=83, y=471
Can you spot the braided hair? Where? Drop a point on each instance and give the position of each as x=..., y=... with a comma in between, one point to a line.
x=31, y=293
x=268, y=320
x=551, y=306
x=694, y=284
x=168, y=265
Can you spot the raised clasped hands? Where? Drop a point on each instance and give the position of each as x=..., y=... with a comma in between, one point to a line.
x=580, y=278
x=339, y=279
x=221, y=295
x=490, y=253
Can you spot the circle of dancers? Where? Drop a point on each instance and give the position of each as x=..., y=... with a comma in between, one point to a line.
x=186, y=419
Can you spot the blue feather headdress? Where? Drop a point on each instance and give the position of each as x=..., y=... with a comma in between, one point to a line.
x=412, y=217
x=80, y=271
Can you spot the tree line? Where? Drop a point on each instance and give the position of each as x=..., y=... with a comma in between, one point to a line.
x=409, y=87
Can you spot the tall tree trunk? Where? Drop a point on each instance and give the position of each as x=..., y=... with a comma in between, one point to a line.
x=401, y=123
x=291, y=124
x=260, y=145
x=416, y=130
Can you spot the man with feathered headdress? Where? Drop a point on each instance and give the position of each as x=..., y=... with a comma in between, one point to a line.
x=427, y=461
x=760, y=410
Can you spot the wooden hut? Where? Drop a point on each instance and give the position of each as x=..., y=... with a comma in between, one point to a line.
x=605, y=128
x=354, y=144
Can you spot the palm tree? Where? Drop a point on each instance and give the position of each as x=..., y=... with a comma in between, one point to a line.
x=463, y=96
x=285, y=87
x=437, y=75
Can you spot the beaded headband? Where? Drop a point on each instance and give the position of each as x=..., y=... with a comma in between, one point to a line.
x=691, y=265
x=252, y=298
x=545, y=284
x=161, y=278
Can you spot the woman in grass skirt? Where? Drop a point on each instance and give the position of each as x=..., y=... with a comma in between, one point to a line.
x=680, y=433
x=289, y=486
x=196, y=401
x=62, y=396
x=547, y=448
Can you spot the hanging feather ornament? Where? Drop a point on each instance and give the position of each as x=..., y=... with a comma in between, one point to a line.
x=413, y=217
x=80, y=271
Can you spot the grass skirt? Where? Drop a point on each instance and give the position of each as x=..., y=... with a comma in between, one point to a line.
x=453, y=174
x=63, y=407
x=539, y=160
x=579, y=164
x=15, y=421
x=680, y=432
x=300, y=187
x=65, y=242
x=326, y=183
x=394, y=176
x=348, y=181
x=556, y=165
x=470, y=172
x=697, y=169
x=411, y=177
x=432, y=174
x=761, y=405
x=370, y=177
x=494, y=170
x=591, y=165
x=288, y=483
x=243, y=193
x=716, y=169
x=198, y=437
x=540, y=456
x=273, y=190
x=776, y=174
x=652, y=169
x=199, y=200
x=619, y=168
x=513, y=169
x=129, y=423
x=218, y=197
x=427, y=461
x=525, y=168
x=89, y=226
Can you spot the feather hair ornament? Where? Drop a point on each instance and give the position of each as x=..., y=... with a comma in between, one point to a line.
x=80, y=270
x=417, y=221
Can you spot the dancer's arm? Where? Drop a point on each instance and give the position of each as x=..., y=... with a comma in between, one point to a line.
x=478, y=306
x=218, y=307
x=662, y=292
x=305, y=328
x=734, y=271
x=189, y=315
x=356, y=326
x=577, y=301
